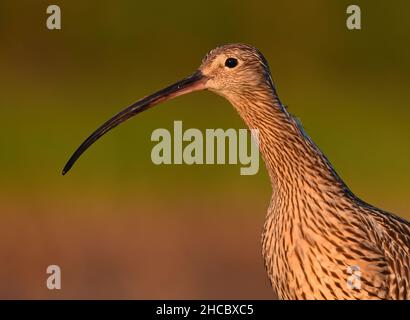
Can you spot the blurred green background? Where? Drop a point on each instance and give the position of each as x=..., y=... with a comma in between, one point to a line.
x=120, y=226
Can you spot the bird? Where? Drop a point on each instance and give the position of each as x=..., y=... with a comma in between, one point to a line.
x=319, y=240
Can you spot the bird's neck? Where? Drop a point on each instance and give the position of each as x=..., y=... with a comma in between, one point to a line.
x=311, y=208
x=295, y=164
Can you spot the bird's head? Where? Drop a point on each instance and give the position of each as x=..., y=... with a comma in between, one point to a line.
x=235, y=69
x=231, y=70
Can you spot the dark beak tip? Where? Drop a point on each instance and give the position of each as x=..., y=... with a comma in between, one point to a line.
x=65, y=170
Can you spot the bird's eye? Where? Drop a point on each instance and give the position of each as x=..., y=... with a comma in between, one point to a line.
x=231, y=62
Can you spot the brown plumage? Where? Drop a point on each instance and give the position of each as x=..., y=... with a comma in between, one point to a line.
x=318, y=235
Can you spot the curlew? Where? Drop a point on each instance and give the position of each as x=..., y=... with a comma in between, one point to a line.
x=319, y=240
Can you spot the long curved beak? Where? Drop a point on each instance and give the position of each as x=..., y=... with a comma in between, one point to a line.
x=195, y=82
